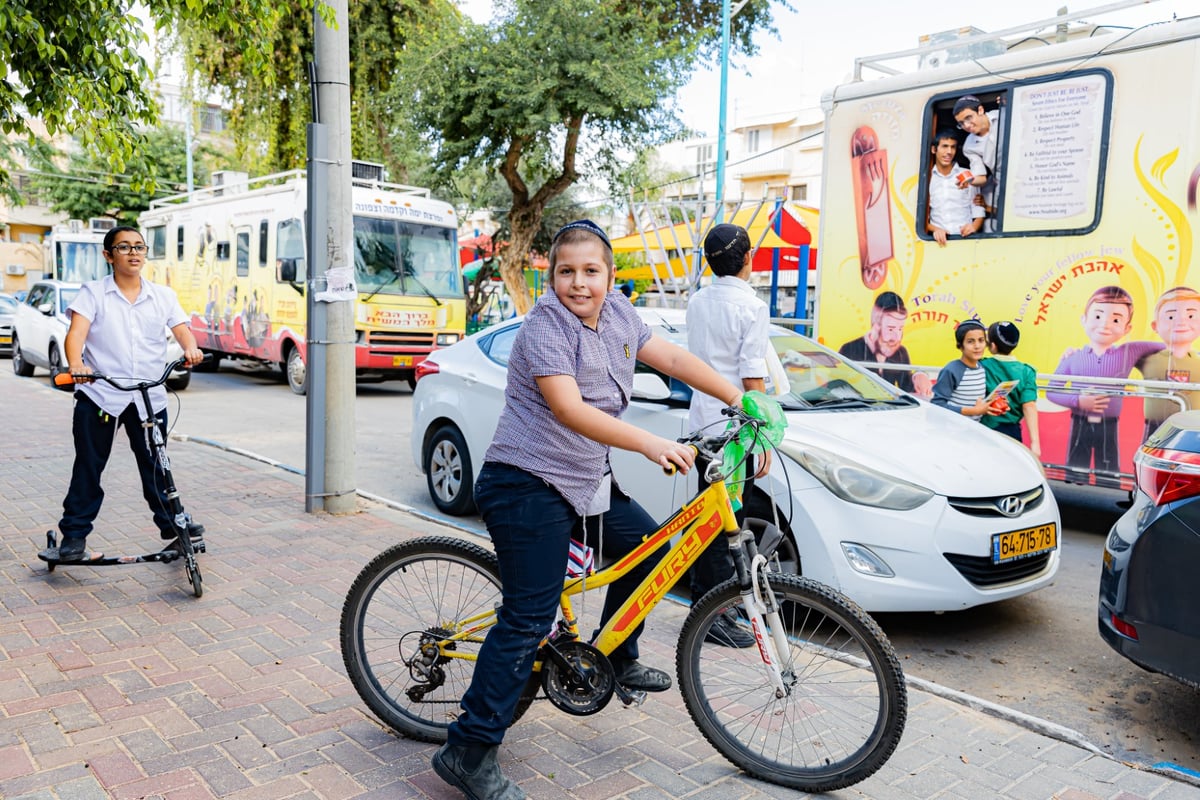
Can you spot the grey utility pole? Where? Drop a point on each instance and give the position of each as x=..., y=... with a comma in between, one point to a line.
x=332, y=290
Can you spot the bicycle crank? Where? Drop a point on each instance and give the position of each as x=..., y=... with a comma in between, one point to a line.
x=577, y=678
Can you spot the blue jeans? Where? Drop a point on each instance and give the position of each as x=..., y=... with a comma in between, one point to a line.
x=531, y=525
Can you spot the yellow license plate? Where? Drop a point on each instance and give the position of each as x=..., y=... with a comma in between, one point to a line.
x=5, y=340
x=1023, y=543
x=401, y=361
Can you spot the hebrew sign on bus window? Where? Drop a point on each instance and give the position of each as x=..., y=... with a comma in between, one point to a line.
x=1056, y=144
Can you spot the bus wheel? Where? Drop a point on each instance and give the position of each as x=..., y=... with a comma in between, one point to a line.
x=294, y=370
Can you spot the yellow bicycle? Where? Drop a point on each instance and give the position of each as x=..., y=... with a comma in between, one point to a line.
x=819, y=704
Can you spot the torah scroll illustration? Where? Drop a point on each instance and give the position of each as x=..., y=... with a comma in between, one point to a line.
x=872, y=208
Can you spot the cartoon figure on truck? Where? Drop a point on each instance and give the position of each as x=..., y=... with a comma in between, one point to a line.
x=235, y=254
x=1084, y=161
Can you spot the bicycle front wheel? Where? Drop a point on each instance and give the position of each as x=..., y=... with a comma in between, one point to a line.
x=404, y=602
x=844, y=704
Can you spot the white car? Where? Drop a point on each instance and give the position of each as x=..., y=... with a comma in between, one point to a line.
x=40, y=330
x=898, y=503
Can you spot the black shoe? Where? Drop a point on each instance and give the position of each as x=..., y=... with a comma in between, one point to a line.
x=75, y=551
x=194, y=529
x=726, y=631
x=472, y=769
x=634, y=675
x=197, y=545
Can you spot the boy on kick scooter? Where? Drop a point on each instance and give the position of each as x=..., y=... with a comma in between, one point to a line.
x=116, y=328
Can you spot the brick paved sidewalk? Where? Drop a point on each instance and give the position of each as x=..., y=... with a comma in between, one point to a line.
x=116, y=682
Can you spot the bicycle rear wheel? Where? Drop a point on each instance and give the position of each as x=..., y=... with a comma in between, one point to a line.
x=846, y=701
x=413, y=594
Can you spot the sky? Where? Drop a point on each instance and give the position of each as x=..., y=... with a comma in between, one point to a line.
x=819, y=40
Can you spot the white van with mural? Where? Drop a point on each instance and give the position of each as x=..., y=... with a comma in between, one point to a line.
x=1082, y=160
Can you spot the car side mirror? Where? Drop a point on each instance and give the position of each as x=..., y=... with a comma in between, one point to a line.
x=45, y=308
x=649, y=386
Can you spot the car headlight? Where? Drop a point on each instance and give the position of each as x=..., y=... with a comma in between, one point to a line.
x=855, y=483
x=447, y=339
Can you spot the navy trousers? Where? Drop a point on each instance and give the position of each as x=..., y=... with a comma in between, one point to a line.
x=531, y=526
x=94, y=432
x=715, y=565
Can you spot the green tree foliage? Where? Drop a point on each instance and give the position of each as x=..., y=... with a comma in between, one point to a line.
x=271, y=106
x=77, y=67
x=555, y=89
x=87, y=189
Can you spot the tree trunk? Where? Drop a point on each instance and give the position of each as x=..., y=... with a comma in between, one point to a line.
x=525, y=221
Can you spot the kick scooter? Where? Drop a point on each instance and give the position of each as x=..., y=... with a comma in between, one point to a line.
x=183, y=547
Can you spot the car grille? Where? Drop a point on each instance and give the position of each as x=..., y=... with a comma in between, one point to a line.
x=995, y=506
x=980, y=570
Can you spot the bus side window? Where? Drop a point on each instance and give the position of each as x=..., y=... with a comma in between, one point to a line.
x=264, y=232
x=289, y=252
x=243, y=253
x=1035, y=148
x=179, y=243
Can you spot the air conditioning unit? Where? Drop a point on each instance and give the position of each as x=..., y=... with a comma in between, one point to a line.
x=367, y=171
x=951, y=50
x=14, y=269
x=227, y=181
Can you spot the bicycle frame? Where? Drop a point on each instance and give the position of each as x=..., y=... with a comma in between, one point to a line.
x=698, y=522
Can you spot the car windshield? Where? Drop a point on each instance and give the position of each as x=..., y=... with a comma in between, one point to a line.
x=819, y=377
x=65, y=298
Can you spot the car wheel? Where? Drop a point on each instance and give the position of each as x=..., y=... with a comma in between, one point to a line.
x=55, y=360
x=179, y=382
x=20, y=365
x=759, y=515
x=448, y=472
x=295, y=371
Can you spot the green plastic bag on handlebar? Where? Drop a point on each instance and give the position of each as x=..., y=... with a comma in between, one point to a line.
x=753, y=439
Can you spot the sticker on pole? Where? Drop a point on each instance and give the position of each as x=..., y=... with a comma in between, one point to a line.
x=339, y=286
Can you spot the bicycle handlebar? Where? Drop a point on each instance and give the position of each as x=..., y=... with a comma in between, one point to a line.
x=712, y=447
x=67, y=378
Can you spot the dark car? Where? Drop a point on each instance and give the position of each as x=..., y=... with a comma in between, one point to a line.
x=1149, y=590
x=8, y=310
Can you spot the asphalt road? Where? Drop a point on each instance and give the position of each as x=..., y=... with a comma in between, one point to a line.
x=1039, y=654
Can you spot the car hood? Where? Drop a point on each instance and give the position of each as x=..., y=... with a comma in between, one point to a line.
x=924, y=444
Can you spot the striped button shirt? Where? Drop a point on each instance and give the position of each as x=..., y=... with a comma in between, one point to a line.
x=553, y=341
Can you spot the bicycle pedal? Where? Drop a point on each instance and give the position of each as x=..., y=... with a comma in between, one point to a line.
x=630, y=697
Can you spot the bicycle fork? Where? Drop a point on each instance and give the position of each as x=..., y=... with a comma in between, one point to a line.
x=763, y=612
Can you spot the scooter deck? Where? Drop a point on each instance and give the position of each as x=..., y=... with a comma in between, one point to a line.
x=52, y=559
x=50, y=556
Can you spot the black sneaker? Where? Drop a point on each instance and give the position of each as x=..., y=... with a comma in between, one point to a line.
x=726, y=631
x=75, y=551
x=633, y=675
x=197, y=545
x=194, y=529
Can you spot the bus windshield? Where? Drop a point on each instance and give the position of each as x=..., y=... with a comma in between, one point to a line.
x=79, y=262
x=405, y=258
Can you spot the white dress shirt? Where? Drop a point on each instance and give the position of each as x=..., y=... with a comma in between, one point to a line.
x=126, y=340
x=728, y=328
x=949, y=206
